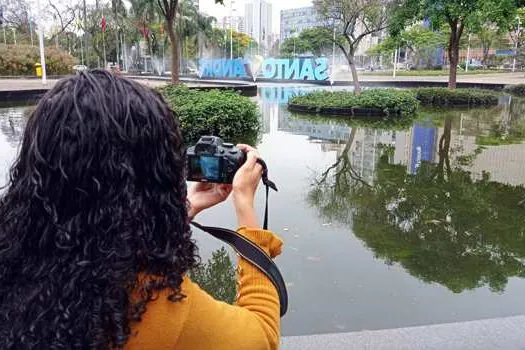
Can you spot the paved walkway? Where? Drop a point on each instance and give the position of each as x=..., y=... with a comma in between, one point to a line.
x=496, y=78
x=494, y=334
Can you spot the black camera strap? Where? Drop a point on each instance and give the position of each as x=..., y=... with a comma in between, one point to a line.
x=251, y=251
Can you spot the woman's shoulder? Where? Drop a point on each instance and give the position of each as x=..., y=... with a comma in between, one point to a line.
x=162, y=322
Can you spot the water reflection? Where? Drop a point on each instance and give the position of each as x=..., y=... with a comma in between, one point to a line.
x=428, y=197
x=217, y=276
x=432, y=200
x=12, y=123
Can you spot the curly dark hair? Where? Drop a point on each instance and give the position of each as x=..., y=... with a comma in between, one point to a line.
x=95, y=202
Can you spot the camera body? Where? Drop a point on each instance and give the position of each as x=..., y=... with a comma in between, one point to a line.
x=212, y=160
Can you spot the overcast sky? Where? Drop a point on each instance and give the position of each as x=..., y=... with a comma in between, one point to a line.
x=209, y=7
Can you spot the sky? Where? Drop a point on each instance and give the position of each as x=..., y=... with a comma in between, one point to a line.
x=209, y=7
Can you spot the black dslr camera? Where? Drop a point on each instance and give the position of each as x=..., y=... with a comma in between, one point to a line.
x=212, y=160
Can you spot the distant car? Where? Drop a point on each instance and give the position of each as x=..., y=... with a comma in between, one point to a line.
x=80, y=68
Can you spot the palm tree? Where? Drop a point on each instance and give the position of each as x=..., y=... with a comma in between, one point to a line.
x=191, y=23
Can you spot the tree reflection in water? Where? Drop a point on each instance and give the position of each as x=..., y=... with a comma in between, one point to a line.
x=441, y=224
x=217, y=276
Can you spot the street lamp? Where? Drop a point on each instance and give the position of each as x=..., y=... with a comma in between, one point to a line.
x=468, y=54
x=41, y=44
x=516, y=45
x=231, y=28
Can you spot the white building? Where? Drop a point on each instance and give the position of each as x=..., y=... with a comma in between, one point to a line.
x=258, y=21
x=294, y=21
x=236, y=22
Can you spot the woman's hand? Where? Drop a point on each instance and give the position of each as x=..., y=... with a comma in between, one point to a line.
x=245, y=185
x=205, y=195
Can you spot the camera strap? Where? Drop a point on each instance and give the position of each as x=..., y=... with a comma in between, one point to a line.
x=251, y=251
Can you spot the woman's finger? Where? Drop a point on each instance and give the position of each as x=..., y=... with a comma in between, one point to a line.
x=245, y=148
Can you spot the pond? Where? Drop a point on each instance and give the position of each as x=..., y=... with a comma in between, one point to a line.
x=384, y=227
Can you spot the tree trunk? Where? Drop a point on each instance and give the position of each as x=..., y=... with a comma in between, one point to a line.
x=175, y=54
x=444, y=151
x=453, y=53
x=486, y=50
x=355, y=77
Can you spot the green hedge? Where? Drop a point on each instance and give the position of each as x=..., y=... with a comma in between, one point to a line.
x=385, y=101
x=226, y=114
x=444, y=97
x=20, y=60
x=518, y=89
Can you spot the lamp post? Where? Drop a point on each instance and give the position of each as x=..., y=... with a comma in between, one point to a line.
x=516, y=45
x=468, y=53
x=41, y=44
x=231, y=29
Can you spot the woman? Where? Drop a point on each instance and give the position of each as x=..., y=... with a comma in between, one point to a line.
x=95, y=243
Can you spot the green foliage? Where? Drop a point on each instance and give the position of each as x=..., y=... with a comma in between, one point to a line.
x=440, y=224
x=21, y=59
x=241, y=42
x=492, y=140
x=217, y=276
x=220, y=113
x=390, y=101
x=458, y=16
x=443, y=97
x=518, y=89
x=312, y=40
x=414, y=38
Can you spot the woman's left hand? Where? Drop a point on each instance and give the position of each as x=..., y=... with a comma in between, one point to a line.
x=205, y=195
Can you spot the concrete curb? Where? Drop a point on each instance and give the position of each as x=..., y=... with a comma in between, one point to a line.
x=500, y=333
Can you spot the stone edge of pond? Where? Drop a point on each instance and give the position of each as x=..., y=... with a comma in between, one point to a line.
x=34, y=94
x=340, y=111
x=497, y=333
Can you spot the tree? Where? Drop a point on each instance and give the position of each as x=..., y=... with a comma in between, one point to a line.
x=312, y=40
x=219, y=39
x=457, y=16
x=356, y=19
x=439, y=223
x=489, y=35
x=65, y=17
x=419, y=40
x=16, y=15
x=169, y=10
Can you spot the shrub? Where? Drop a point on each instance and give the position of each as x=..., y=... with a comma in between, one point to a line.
x=20, y=60
x=377, y=101
x=225, y=114
x=518, y=89
x=443, y=97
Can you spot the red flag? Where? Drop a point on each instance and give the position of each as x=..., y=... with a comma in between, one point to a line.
x=103, y=23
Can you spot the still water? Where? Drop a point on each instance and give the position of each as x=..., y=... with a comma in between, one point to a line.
x=385, y=227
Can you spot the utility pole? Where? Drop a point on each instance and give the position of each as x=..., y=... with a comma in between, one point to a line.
x=41, y=44
x=516, y=46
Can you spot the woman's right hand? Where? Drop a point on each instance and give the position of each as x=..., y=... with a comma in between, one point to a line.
x=245, y=185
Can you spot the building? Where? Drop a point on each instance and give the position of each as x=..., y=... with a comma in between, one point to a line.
x=236, y=22
x=298, y=19
x=258, y=21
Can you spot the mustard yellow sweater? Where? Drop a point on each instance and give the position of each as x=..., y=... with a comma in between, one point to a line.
x=201, y=322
